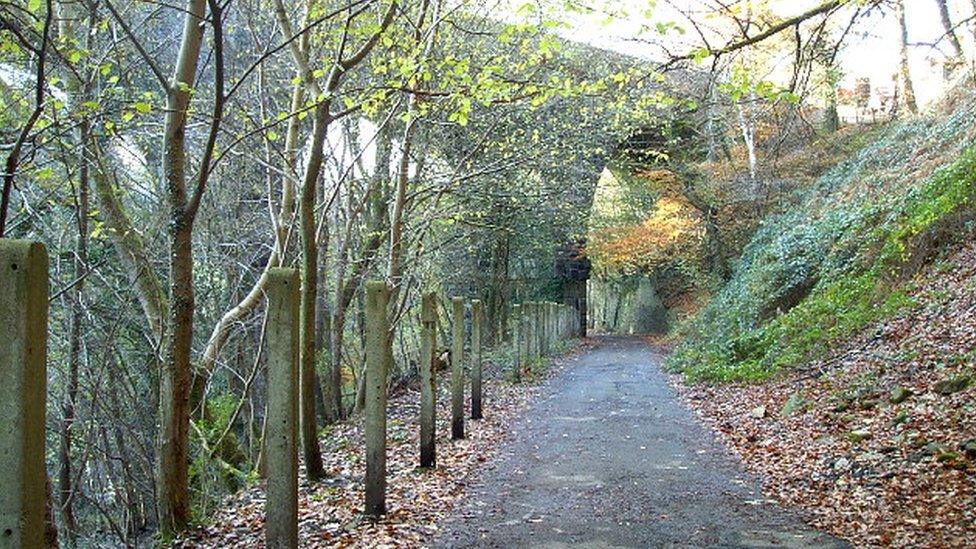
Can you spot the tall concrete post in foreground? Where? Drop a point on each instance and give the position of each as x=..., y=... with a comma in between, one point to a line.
x=476, y=315
x=379, y=355
x=457, y=369
x=281, y=506
x=23, y=383
x=428, y=383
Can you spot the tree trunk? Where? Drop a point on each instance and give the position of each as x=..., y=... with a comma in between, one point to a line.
x=748, y=127
x=135, y=518
x=326, y=397
x=78, y=94
x=174, y=390
x=950, y=32
x=831, y=121
x=713, y=244
x=50, y=524
x=346, y=288
x=710, y=118
x=498, y=288
x=129, y=246
x=174, y=381
x=306, y=211
x=973, y=27
x=395, y=267
x=65, y=474
x=904, y=72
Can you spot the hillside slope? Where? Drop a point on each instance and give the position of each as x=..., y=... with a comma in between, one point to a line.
x=847, y=333
x=839, y=259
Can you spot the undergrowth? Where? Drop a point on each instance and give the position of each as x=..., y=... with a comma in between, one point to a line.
x=819, y=274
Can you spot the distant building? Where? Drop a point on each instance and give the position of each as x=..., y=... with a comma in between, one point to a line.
x=866, y=103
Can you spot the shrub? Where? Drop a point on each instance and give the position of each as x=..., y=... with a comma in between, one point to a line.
x=832, y=266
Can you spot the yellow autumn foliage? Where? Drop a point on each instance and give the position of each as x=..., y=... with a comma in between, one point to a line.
x=672, y=232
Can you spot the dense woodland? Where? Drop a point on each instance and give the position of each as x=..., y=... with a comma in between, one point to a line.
x=721, y=180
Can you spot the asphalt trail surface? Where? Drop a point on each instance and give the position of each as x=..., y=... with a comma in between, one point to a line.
x=611, y=458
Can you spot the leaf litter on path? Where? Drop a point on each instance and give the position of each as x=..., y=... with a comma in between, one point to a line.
x=330, y=512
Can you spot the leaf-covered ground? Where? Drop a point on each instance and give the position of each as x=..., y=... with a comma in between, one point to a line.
x=878, y=441
x=330, y=512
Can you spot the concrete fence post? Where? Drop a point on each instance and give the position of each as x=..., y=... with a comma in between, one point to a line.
x=582, y=320
x=281, y=504
x=540, y=329
x=379, y=355
x=564, y=321
x=550, y=337
x=556, y=335
x=477, y=312
x=541, y=323
x=568, y=321
x=517, y=339
x=457, y=369
x=559, y=321
x=428, y=382
x=554, y=308
x=23, y=385
x=544, y=321
x=549, y=325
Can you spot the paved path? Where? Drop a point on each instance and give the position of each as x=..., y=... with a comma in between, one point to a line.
x=611, y=458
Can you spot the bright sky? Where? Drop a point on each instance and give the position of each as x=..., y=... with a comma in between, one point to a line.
x=871, y=52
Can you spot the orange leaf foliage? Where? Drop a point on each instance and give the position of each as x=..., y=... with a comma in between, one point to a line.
x=672, y=232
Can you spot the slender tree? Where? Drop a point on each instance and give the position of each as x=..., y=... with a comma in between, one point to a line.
x=904, y=71
x=72, y=14
x=175, y=377
x=322, y=117
x=950, y=31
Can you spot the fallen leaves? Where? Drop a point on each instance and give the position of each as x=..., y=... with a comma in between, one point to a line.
x=330, y=512
x=878, y=454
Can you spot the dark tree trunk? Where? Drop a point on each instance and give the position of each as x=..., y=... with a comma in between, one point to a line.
x=904, y=72
x=950, y=31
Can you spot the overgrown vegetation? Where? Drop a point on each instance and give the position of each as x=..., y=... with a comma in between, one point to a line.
x=839, y=262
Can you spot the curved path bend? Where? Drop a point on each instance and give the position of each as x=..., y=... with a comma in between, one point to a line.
x=611, y=458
